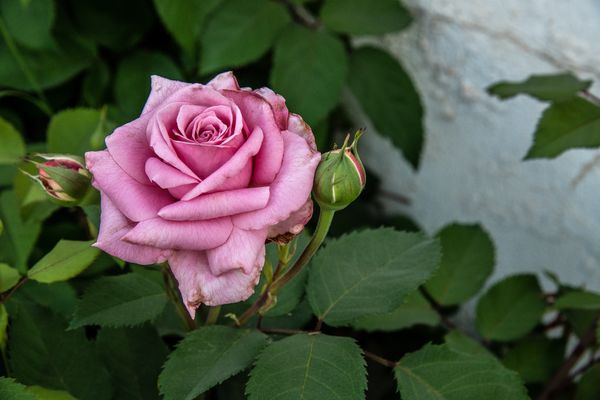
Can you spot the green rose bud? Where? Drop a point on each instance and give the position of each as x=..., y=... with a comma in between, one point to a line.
x=63, y=177
x=340, y=177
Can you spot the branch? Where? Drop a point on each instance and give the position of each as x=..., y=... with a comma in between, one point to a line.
x=446, y=322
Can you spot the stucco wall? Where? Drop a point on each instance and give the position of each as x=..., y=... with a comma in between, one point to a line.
x=472, y=169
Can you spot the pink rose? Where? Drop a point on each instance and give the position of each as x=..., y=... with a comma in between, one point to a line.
x=202, y=179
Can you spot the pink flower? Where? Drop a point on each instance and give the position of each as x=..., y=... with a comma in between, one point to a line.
x=202, y=179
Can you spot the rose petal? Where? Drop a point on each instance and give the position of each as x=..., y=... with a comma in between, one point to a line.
x=113, y=227
x=180, y=191
x=225, y=80
x=198, y=285
x=241, y=251
x=138, y=202
x=219, y=204
x=258, y=113
x=129, y=147
x=297, y=125
x=203, y=159
x=277, y=103
x=186, y=235
x=165, y=175
x=160, y=89
x=235, y=173
x=291, y=187
x=294, y=224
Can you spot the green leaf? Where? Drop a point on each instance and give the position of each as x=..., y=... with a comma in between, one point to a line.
x=565, y=125
x=461, y=343
x=71, y=131
x=414, y=311
x=11, y=390
x=46, y=68
x=19, y=237
x=588, y=388
x=132, y=82
x=185, y=19
x=309, y=70
x=309, y=367
x=42, y=393
x=511, y=308
x=60, y=297
x=66, y=260
x=115, y=24
x=240, y=32
x=12, y=146
x=8, y=277
x=29, y=22
x=556, y=87
x=123, y=300
x=535, y=358
x=439, y=373
x=134, y=357
x=368, y=272
x=579, y=300
x=365, y=17
x=386, y=93
x=43, y=353
x=95, y=84
x=206, y=357
x=3, y=327
x=467, y=262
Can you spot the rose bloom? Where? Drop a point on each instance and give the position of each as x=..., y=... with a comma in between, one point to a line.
x=202, y=179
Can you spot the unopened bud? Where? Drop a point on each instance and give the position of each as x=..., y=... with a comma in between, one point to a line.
x=63, y=177
x=340, y=177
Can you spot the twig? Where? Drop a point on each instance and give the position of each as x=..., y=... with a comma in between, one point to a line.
x=448, y=324
x=380, y=360
x=559, y=378
x=283, y=331
x=173, y=294
x=213, y=315
x=12, y=291
x=396, y=197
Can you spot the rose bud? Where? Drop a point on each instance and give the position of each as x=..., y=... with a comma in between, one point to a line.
x=63, y=177
x=340, y=177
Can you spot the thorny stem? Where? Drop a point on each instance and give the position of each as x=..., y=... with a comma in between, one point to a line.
x=173, y=294
x=380, y=360
x=325, y=218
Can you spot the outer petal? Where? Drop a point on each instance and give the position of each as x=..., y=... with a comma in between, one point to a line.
x=291, y=187
x=258, y=113
x=138, y=202
x=198, y=285
x=225, y=80
x=160, y=89
x=129, y=147
x=219, y=204
x=113, y=227
x=235, y=169
x=294, y=224
x=165, y=175
x=297, y=125
x=187, y=235
x=241, y=251
x=277, y=103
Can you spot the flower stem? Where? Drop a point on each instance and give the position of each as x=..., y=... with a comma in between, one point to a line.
x=173, y=294
x=213, y=315
x=325, y=218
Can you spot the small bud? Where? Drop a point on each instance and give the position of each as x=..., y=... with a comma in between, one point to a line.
x=340, y=177
x=63, y=177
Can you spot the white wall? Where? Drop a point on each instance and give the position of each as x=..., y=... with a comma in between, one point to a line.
x=471, y=169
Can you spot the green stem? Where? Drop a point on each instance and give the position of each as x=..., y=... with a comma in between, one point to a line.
x=213, y=315
x=173, y=294
x=325, y=218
